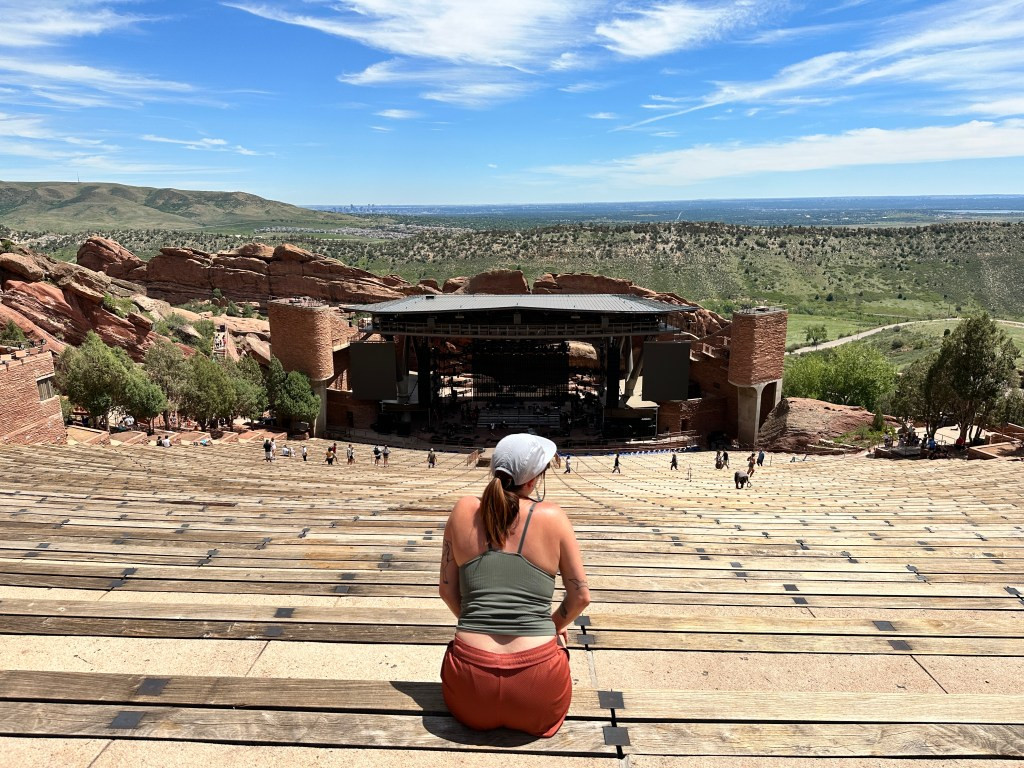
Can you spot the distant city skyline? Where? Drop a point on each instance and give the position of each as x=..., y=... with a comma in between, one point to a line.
x=419, y=102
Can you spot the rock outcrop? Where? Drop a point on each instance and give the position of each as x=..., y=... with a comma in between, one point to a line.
x=101, y=254
x=701, y=322
x=499, y=282
x=59, y=303
x=256, y=273
x=799, y=422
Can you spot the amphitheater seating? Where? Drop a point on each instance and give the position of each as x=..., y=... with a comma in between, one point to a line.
x=193, y=604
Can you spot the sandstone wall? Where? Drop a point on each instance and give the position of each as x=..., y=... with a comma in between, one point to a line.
x=60, y=303
x=24, y=418
x=757, y=346
x=256, y=273
x=302, y=336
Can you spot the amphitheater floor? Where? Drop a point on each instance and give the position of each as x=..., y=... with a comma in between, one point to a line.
x=195, y=605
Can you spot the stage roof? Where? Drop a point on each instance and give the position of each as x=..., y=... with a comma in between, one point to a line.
x=477, y=302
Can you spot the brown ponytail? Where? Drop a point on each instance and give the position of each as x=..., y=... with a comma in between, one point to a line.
x=499, y=508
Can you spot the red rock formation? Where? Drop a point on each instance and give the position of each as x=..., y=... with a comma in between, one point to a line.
x=59, y=303
x=502, y=282
x=454, y=284
x=701, y=323
x=256, y=273
x=69, y=315
x=798, y=422
x=20, y=265
x=101, y=254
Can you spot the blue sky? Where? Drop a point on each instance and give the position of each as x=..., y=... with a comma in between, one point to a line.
x=505, y=101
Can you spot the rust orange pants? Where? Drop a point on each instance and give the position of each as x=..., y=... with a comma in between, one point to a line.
x=528, y=691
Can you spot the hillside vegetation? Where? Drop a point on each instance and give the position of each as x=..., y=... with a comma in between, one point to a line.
x=69, y=207
x=892, y=271
x=867, y=275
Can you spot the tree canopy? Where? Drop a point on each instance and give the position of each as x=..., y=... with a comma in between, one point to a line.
x=296, y=400
x=208, y=393
x=851, y=374
x=91, y=375
x=100, y=378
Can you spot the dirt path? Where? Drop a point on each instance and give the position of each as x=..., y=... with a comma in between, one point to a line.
x=879, y=329
x=871, y=332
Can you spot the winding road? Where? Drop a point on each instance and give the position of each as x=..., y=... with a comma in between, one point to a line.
x=879, y=329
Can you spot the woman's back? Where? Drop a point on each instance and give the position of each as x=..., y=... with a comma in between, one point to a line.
x=540, y=546
x=499, y=558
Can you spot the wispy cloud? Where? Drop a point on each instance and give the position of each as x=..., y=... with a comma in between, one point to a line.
x=454, y=85
x=47, y=22
x=505, y=48
x=960, y=46
x=998, y=107
x=665, y=27
x=868, y=146
x=603, y=116
x=83, y=85
x=587, y=86
x=205, y=144
x=398, y=114
x=507, y=33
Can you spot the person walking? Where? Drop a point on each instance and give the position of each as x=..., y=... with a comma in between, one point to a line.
x=616, y=468
x=508, y=665
x=568, y=464
x=751, y=462
x=350, y=454
x=273, y=448
x=674, y=464
x=305, y=453
x=266, y=449
x=760, y=458
x=725, y=459
x=386, y=453
x=431, y=459
x=376, y=455
x=329, y=458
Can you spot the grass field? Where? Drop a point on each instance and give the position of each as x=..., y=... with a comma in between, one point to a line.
x=905, y=344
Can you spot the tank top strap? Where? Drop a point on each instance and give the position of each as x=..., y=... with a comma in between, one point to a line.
x=526, y=527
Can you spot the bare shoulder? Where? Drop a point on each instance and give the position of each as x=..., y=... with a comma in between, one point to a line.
x=464, y=509
x=551, y=513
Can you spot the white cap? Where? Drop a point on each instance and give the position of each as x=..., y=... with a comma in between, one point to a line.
x=522, y=456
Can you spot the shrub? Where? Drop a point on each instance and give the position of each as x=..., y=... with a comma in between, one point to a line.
x=12, y=334
x=122, y=307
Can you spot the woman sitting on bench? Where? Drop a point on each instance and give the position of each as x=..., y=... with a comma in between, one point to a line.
x=508, y=665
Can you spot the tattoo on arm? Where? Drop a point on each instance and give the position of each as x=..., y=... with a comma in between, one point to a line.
x=446, y=558
x=578, y=583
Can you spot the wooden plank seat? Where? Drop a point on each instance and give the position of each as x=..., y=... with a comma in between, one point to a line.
x=845, y=597
x=990, y=637
x=411, y=714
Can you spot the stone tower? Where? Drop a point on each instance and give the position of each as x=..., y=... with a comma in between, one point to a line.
x=756, y=351
x=301, y=337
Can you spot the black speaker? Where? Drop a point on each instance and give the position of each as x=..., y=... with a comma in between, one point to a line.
x=373, y=371
x=666, y=370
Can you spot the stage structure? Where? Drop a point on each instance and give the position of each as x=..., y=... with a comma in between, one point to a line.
x=501, y=362
x=450, y=365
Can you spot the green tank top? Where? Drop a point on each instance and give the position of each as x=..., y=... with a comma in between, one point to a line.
x=503, y=593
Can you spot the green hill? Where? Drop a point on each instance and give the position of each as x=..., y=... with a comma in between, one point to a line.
x=892, y=272
x=69, y=207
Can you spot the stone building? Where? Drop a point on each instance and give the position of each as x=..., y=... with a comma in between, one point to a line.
x=517, y=359
x=29, y=404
